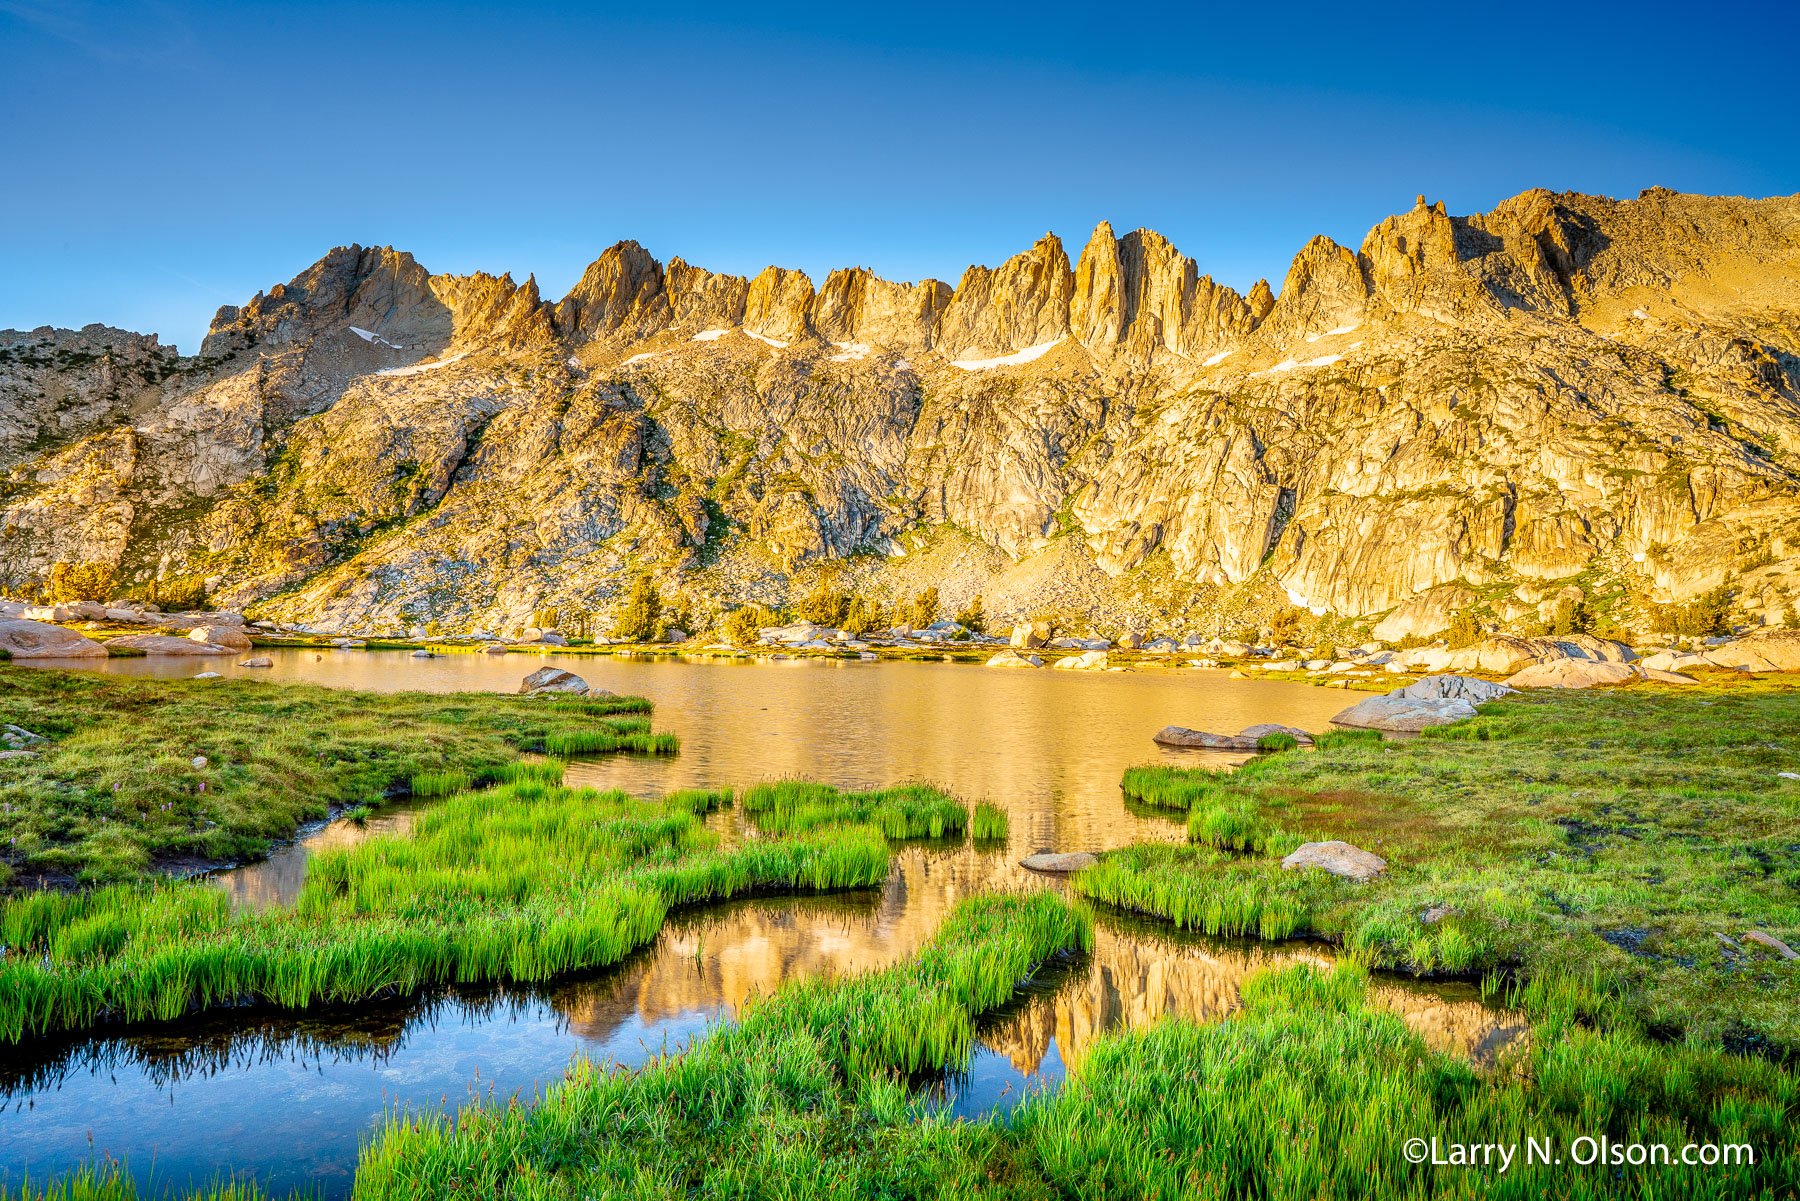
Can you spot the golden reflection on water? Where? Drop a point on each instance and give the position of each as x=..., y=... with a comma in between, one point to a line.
x=1134, y=979
x=1137, y=974
x=277, y=879
x=1049, y=747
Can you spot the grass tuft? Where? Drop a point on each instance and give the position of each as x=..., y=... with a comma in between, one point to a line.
x=439, y=783
x=907, y=811
x=988, y=823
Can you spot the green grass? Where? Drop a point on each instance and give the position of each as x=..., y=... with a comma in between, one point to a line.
x=1170, y=787
x=116, y=795
x=907, y=811
x=1610, y=837
x=542, y=771
x=1311, y=1088
x=523, y=881
x=108, y=1182
x=1199, y=888
x=1217, y=814
x=595, y=742
x=1334, y=739
x=988, y=822
x=439, y=783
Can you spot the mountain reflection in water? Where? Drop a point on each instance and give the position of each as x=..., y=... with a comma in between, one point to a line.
x=196, y=1097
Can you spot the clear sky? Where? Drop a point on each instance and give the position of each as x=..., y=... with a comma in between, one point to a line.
x=159, y=159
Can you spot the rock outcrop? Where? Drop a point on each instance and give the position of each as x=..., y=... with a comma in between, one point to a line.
x=1404, y=715
x=22, y=639
x=1461, y=688
x=1248, y=739
x=1342, y=859
x=167, y=644
x=1050, y=861
x=549, y=680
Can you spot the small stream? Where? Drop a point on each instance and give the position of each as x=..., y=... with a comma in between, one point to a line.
x=287, y=1097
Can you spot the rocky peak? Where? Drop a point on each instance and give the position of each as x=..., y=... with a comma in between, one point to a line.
x=1261, y=301
x=379, y=290
x=1324, y=290
x=491, y=308
x=1461, y=269
x=1140, y=296
x=779, y=304
x=1097, y=308
x=856, y=305
x=702, y=299
x=1475, y=432
x=1021, y=303
x=619, y=295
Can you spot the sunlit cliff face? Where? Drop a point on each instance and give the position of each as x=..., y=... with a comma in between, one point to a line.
x=1566, y=385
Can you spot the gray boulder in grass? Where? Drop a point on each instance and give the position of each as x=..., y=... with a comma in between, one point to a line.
x=552, y=679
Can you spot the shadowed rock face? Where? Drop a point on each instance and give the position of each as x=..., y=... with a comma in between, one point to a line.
x=1567, y=384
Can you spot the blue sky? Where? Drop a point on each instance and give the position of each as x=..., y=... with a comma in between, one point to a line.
x=163, y=159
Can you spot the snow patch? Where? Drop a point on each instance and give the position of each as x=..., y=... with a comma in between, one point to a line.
x=638, y=358
x=418, y=368
x=777, y=343
x=1332, y=333
x=575, y=362
x=1217, y=359
x=377, y=339
x=1300, y=601
x=1007, y=360
x=709, y=335
x=1291, y=365
x=853, y=352
x=902, y=365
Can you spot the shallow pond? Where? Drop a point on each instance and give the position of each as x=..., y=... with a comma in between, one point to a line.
x=287, y=1097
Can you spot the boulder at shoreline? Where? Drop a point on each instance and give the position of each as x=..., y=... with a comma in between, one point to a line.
x=168, y=644
x=24, y=639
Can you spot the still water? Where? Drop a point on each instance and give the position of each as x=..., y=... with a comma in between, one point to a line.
x=286, y=1098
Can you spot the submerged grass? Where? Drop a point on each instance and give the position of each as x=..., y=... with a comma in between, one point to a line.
x=1629, y=838
x=139, y=774
x=593, y=742
x=907, y=811
x=988, y=823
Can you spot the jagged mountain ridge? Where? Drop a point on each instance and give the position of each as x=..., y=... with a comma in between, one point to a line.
x=1564, y=385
